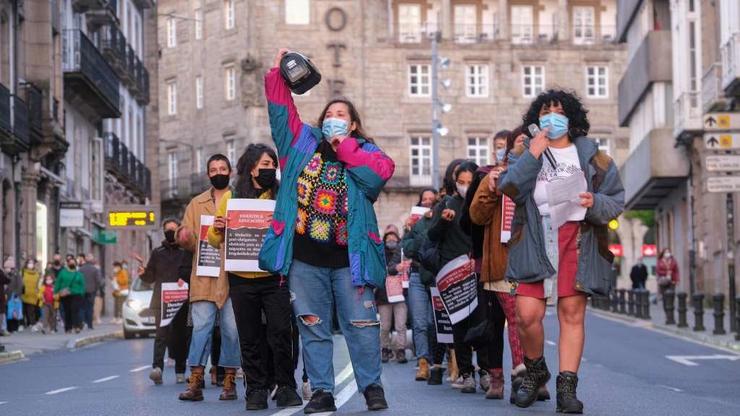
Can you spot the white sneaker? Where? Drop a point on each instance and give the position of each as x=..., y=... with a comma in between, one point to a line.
x=459, y=383
x=306, y=390
x=180, y=378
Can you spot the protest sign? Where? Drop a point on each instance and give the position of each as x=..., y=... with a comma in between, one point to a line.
x=441, y=319
x=247, y=222
x=394, y=289
x=209, y=258
x=458, y=288
x=174, y=295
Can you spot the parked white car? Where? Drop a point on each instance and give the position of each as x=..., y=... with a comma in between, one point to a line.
x=138, y=319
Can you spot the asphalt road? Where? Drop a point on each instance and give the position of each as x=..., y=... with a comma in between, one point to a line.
x=626, y=371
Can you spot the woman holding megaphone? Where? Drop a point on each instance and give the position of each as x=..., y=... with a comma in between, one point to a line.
x=324, y=234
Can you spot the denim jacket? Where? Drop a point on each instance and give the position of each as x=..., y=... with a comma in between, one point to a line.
x=367, y=169
x=527, y=257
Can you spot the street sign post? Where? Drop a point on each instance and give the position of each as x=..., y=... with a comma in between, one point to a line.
x=722, y=163
x=723, y=184
x=722, y=141
x=721, y=121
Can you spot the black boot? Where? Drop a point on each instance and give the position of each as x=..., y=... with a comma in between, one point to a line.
x=567, y=401
x=435, y=376
x=375, y=397
x=537, y=376
x=321, y=401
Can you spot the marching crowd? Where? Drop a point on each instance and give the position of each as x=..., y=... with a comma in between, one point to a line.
x=325, y=263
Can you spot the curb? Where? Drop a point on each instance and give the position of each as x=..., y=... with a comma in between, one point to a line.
x=698, y=337
x=11, y=356
x=92, y=339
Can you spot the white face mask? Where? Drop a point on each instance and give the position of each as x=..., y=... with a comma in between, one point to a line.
x=461, y=189
x=668, y=254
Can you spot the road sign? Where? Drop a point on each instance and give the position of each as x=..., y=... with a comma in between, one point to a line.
x=721, y=121
x=689, y=360
x=723, y=163
x=723, y=184
x=722, y=141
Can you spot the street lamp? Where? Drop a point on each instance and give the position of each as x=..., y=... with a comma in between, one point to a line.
x=438, y=130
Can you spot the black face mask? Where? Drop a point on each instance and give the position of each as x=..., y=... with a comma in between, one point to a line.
x=72, y=266
x=266, y=178
x=57, y=263
x=220, y=181
x=169, y=235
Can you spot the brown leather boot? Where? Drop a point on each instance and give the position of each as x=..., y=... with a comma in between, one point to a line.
x=423, y=373
x=194, y=393
x=496, y=389
x=229, y=391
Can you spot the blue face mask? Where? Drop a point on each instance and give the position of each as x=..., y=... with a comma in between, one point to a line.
x=557, y=123
x=333, y=127
x=500, y=154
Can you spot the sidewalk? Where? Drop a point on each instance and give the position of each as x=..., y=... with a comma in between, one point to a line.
x=19, y=345
x=657, y=321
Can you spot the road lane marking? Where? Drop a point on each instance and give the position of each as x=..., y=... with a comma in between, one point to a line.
x=339, y=379
x=676, y=389
x=104, y=379
x=62, y=390
x=688, y=360
x=2, y=403
x=548, y=342
x=137, y=369
x=346, y=394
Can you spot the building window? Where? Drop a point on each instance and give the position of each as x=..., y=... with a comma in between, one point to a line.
x=230, y=82
x=229, y=14
x=597, y=82
x=198, y=92
x=466, y=23
x=478, y=150
x=231, y=151
x=476, y=80
x=420, y=80
x=409, y=23
x=533, y=80
x=583, y=25
x=421, y=160
x=171, y=97
x=172, y=172
x=297, y=12
x=522, y=24
x=199, y=24
x=171, y=32
x=199, y=161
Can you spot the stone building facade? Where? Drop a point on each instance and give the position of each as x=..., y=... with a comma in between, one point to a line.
x=378, y=54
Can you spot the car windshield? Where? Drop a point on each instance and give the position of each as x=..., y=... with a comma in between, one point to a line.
x=141, y=286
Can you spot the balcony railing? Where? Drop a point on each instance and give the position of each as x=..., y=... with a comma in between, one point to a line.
x=20, y=121
x=687, y=113
x=416, y=32
x=712, y=95
x=113, y=47
x=125, y=165
x=6, y=126
x=730, y=53
x=184, y=186
x=467, y=33
x=533, y=34
x=34, y=100
x=594, y=35
x=87, y=74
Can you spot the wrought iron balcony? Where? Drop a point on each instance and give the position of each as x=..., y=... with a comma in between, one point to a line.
x=34, y=99
x=712, y=94
x=6, y=126
x=142, y=97
x=125, y=166
x=14, y=132
x=82, y=6
x=88, y=78
x=103, y=15
x=113, y=48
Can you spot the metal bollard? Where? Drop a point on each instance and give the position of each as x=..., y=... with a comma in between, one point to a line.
x=614, y=301
x=698, y=300
x=737, y=318
x=631, y=302
x=682, y=309
x=638, y=303
x=719, y=314
x=645, y=304
x=622, y=301
x=669, y=299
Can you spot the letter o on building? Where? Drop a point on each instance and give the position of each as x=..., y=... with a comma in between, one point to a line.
x=335, y=19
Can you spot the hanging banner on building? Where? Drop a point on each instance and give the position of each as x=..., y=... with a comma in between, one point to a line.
x=174, y=295
x=441, y=319
x=507, y=217
x=209, y=258
x=457, y=285
x=247, y=222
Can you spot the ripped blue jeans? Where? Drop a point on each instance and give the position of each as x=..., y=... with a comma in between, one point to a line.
x=316, y=290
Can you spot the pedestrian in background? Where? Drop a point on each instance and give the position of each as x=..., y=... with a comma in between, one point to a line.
x=14, y=318
x=209, y=296
x=30, y=294
x=4, y=282
x=56, y=264
x=258, y=296
x=639, y=274
x=575, y=252
x=49, y=304
x=93, y=283
x=70, y=287
x=164, y=267
x=331, y=257
x=419, y=300
x=392, y=315
x=120, y=284
x=666, y=271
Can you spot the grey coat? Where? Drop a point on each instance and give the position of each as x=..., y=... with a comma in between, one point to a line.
x=527, y=257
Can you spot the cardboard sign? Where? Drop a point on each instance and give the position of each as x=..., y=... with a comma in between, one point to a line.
x=441, y=319
x=209, y=258
x=247, y=222
x=458, y=288
x=394, y=289
x=418, y=212
x=507, y=217
x=174, y=295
